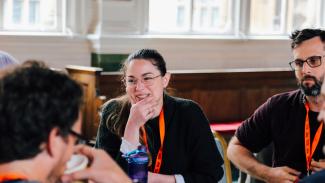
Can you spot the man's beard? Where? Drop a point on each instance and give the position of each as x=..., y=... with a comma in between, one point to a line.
x=313, y=90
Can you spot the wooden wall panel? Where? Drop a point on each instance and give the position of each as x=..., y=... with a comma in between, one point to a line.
x=110, y=85
x=213, y=105
x=249, y=100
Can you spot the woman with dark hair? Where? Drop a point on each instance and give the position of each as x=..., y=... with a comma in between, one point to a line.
x=174, y=130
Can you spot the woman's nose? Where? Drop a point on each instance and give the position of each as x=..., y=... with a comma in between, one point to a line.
x=139, y=85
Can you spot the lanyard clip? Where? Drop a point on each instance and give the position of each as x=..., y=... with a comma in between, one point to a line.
x=308, y=172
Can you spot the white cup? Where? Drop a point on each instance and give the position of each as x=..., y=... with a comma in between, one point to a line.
x=76, y=163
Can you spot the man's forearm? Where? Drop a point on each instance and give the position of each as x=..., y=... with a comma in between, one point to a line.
x=246, y=161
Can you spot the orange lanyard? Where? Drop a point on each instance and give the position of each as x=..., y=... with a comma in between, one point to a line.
x=162, y=137
x=309, y=152
x=11, y=176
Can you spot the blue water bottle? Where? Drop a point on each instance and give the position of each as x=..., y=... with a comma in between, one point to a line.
x=138, y=165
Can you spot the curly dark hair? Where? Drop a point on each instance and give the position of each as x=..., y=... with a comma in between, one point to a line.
x=33, y=100
x=300, y=36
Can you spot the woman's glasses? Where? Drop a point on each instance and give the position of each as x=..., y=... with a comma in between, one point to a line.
x=147, y=80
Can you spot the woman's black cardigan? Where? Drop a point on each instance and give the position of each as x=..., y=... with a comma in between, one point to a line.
x=189, y=147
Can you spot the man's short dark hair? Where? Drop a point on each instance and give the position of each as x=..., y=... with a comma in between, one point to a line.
x=33, y=100
x=300, y=36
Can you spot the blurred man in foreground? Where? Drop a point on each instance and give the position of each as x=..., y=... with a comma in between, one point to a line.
x=40, y=122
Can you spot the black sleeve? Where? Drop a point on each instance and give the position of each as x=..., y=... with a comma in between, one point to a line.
x=205, y=159
x=107, y=140
x=255, y=132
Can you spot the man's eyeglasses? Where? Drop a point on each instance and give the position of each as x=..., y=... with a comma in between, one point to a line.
x=80, y=138
x=148, y=81
x=313, y=61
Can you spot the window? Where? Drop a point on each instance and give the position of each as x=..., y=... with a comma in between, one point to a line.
x=212, y=16
x=284, y=16
x=32, y=15
x=266, y=16
x=191, y=16
x=169, y=15
x=34, y=12
x=234, y=17
x=303, y=13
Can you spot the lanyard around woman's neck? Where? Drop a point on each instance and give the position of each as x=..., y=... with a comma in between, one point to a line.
x=162, y=138
x=309, y=151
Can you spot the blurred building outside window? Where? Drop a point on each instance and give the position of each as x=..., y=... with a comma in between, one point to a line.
x=181, y=17
x=191, y=16
x=264, y=17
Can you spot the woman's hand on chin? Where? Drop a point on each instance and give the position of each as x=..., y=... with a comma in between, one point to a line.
x=142, y=111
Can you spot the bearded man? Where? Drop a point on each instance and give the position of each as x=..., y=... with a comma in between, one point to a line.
x=288, y=120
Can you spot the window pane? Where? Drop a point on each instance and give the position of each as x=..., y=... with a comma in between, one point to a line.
x=169, y=15
x=193, y=16
x=17, y=11
x=203, y=16
x=322, y=14
x=32, y=15
x=180, y=16
x=212, y=16
x=34, y=11
x=49, y=13
x=266, y=16
x=303, y=14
